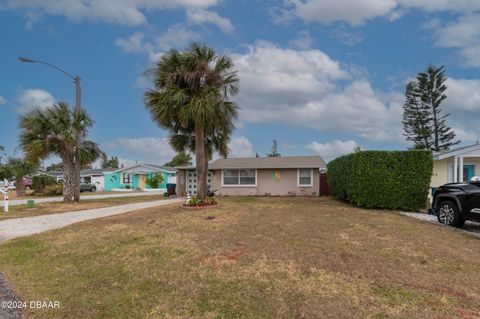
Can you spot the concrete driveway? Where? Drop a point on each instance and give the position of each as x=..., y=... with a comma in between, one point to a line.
x=18, y=227
x=59, y=199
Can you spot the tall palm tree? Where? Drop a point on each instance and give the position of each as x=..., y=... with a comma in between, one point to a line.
x=18, y=168
x=51, y=131
x=191, y=100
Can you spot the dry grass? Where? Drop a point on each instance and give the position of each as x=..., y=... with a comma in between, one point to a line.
x=31, y=194
x=59, y=207
x=258, y=258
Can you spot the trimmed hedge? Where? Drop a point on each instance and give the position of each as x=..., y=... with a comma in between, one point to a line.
x=382, y=179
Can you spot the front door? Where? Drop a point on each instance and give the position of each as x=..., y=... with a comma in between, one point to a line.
x=468, y=172
x=141, y=181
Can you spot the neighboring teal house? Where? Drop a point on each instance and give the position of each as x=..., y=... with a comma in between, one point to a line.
x=134, y=177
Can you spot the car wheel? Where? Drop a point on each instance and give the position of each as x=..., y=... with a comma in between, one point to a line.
x=93, y=189
x=449, y=214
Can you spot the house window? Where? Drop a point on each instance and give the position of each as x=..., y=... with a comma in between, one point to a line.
x=242, y=177
x=127, y=178
x=305, y=177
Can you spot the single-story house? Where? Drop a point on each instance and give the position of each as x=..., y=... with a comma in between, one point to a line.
x=95, y=176
x=58, y=175
x=135, y=177
x=257, y=176
x=456, y=165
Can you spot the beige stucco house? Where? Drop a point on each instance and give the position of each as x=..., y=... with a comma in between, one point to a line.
x=257, y=176
x=457, y=165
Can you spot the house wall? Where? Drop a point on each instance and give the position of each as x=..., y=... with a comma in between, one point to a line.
x=112, y=180
x=443, y=170
x=99, y=182
x=285, y=184
x=162, y=185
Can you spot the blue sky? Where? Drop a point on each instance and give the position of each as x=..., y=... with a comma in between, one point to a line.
x=318, y=76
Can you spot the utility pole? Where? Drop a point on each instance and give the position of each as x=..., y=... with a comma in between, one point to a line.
x=76, y=80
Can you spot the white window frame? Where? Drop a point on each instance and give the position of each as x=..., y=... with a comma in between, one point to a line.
x=238, y=185
x=298, y=178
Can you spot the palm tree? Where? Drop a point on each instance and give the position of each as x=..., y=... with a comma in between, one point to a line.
x=18, y=168
x=52, y=132
x=190, y=100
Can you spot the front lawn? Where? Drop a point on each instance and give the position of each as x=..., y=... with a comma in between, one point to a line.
x=258, y=258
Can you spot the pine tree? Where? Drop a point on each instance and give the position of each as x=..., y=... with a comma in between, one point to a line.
x=423, y=121
x=274, y=152
x=417, y=119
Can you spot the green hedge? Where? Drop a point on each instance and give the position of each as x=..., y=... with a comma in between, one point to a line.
x=40, y=181
x=382, y=179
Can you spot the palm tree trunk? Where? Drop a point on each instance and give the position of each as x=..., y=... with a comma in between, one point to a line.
x=68, y=179
x=20, y=188
x=205, y=176
x=200, y=158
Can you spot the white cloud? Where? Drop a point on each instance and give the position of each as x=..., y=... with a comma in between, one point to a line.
x=123, y=12
x=463, y=34
x=309, y=89
x=201, y=16
x=241, y=147
x=462, y=95
x=2, y=100
x=174, y=37
x=31, y=99
x=333, y=149
x=356, y=12
x=304, y=40
x=143, y=149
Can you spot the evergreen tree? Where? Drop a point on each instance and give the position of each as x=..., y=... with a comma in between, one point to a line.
x=424, y=123
x=180, y=159
x=417, y=119
x=110, y=163
x=274, y=152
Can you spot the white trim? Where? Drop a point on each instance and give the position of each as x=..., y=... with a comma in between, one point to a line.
x=298, y=178
x=238, y=185
x=451, y=153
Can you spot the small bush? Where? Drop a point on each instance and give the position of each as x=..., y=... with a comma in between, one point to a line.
x=382, y=179
x=194, y=201
x=211, y=200
x=155, y=181
x=55, y=189
x=39, y=182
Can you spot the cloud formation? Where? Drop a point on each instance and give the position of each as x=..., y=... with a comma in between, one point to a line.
x=202, y=16
x=241, y=147
x=31, y=99
x=309, y=89
x=151, y=150
x=129, y=13
x=331, y=150
x=2, y=100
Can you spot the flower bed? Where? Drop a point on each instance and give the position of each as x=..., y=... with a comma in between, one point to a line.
x=195, y=203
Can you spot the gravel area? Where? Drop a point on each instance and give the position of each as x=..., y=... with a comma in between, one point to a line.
x=25, y=226
x=471, y=228
x=7, y=294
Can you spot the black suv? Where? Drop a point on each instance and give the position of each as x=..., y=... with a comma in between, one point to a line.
x=456, y=203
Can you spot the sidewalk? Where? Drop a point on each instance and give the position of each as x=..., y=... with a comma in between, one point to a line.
x=59, y=199
x=19, y=227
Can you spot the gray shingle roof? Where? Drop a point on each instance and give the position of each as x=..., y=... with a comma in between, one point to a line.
x=95, y=171
x=269, y=162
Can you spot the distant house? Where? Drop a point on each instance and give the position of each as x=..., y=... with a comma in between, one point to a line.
x=257, y=176
x=95, y=176
x=58, y=175
x=135, y=177
x=456, y=165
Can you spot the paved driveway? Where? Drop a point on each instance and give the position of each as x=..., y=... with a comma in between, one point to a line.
x=59, y=199
x=470, y=227
x=18, y=227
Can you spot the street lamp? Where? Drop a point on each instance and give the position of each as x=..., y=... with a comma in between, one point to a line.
x=76, y=80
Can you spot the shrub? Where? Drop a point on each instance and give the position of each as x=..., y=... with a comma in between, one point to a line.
x=154, y=181
x=382, y=179
x=39, y=182
x=55, y=189
x=211, y=200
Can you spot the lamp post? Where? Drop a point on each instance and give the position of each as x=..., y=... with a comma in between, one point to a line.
x=76, y=80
